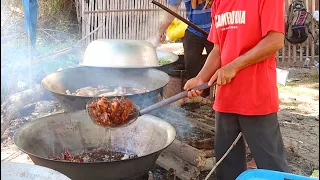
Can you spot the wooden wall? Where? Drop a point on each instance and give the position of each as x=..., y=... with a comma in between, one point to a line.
x=140, y=19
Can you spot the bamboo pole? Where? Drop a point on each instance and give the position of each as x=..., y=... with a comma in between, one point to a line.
x=124, y=10
x=312, y=43
x=224, y=156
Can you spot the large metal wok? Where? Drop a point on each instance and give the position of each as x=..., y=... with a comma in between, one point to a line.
x=79, y=77
x=22, y=171
x=119, y=53
x=48, y=136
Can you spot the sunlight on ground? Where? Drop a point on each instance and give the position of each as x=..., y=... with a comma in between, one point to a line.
x=302, y=95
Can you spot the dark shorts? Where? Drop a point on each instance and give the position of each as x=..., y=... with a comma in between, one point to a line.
x=262, y=133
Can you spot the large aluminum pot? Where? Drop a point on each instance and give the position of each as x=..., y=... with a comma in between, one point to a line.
x=120, y=53
x=79, y=77
x=21, y=171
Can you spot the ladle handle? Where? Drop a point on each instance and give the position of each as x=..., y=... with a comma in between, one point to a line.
x=172, y=99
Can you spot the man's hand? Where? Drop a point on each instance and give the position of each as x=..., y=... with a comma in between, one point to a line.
x=191, y=83
x=166, y=20
x=156, y=41
x=162, y=37
x=223, y=75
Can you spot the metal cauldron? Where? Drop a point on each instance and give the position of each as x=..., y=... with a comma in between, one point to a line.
x=79, y=77
x=48, y=136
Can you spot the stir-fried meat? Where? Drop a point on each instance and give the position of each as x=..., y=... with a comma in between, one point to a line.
x=66, y=156
x=95, y=155
x=109, y=113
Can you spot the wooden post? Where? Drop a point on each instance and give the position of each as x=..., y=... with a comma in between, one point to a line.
x=313, y=4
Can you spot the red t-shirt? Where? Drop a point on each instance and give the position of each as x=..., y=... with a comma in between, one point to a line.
x=237, y=26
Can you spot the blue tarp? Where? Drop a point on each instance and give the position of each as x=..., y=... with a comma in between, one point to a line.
x=31, y=19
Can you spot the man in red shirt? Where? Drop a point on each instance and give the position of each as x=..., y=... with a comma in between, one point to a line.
x=246, y=35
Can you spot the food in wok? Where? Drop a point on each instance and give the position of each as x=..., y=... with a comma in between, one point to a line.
x=110, y=113
x=106, y=91
x=94, y=155
x=163, y=61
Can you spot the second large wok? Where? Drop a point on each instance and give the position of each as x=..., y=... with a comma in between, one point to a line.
x=79, y=77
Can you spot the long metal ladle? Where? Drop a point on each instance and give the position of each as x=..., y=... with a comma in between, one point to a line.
x=137, y=112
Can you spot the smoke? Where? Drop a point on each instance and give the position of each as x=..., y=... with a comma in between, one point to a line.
x=52, y=35
x=178, y=119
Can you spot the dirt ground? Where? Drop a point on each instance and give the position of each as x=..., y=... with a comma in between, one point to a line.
x=299, y=119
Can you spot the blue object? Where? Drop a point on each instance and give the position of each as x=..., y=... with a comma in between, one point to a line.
x=262, y=174
x=31, y=19
x=199, y=17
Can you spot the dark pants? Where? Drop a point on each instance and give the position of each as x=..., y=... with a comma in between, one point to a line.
x=193, y=46
x=264, y=139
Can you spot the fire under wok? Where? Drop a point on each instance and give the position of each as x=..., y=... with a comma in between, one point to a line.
x=63, y=83
x=47, y=137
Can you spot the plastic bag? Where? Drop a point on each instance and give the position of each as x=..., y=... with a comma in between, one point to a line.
x=176, y=30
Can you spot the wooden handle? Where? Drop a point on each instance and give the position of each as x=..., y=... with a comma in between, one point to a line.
x=180, y=17
x=172, y=99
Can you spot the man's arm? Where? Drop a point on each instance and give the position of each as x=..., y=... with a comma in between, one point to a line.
x=268, y=46
x=271, y=14
x=272, y=25
x=167, y=19
x=211, y=65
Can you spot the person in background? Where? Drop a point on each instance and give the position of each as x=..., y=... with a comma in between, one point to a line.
x=199, y=13
x=246, y=36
